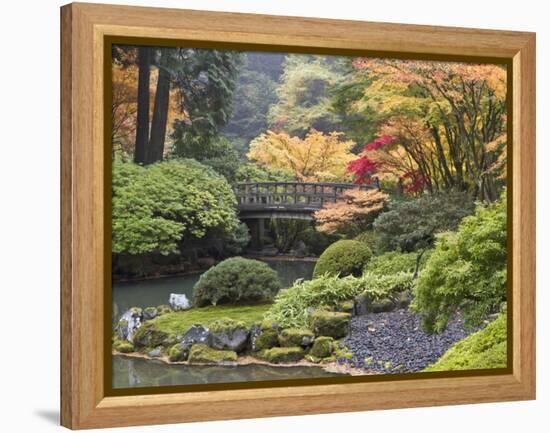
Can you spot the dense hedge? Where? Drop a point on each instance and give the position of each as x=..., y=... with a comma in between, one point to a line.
x=484, y=349
x=342, y=258
x=156, y=206
x=466, y=270
x=234, y=281
x=412, y=224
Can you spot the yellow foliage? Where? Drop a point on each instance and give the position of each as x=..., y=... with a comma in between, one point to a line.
x=317, y=157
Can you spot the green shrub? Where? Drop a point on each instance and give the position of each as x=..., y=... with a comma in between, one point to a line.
x=292, y=306
x=394, y=262
x=316, y=241
x=236, y=280
x=371, y=239
x=155, y=206
x=467, y=270
x=345, y=257
x=411, y=224
x=484, y=349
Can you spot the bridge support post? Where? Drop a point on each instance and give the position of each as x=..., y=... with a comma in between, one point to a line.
x=257, y=229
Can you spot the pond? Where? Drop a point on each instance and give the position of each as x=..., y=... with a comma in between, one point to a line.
x=153, y=292
x=137, y=372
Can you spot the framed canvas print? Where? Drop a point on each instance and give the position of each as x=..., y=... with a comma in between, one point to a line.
x=270, y=216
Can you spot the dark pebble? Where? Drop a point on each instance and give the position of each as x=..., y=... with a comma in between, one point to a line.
x=397, y=337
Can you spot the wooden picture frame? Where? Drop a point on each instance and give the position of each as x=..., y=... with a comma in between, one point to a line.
x=85, y=28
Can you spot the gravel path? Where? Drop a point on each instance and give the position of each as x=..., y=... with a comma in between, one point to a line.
x=394, y=342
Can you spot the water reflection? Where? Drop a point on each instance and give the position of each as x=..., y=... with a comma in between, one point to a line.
x=136, y=372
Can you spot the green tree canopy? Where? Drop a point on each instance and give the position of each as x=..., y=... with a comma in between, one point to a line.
x=206, y=80
x=304, y=98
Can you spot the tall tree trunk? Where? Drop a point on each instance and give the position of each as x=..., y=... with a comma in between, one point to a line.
x=160, y=111
x=142, y=122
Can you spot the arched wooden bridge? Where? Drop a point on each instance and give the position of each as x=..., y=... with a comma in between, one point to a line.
x=259, y=201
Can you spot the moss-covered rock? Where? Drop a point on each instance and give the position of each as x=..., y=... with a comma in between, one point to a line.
x=263, y=338
x=322, y=347
x=150, y=313
x=163, y=309
x=178, y=352
x=228, y=334
x=279, y=355
x=331, y=324
x=201, y=353
x=293, y=337
x=346, y=307
x=148, y=336
x=123, y=346
x=381, y=306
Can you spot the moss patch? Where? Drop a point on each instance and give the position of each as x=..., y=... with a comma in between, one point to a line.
x=149, y=336
x=278, y=355
x=226, y=324
x=483, y=349
x=179, y=322
x=201, y=353
x=178, y=353
x=123, y=346
x=296, y=337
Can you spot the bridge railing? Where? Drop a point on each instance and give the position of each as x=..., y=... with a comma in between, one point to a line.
x=292, y=194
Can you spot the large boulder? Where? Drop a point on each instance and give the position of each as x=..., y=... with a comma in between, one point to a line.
x=179, y=302
x=203, y=354
x=129, y=323
x=263, y=337
x=228, y=334
x=278, y=355
x=195, y=334
x=331, y=324
x=296, y=337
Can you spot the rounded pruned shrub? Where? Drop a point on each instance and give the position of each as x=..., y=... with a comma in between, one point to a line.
x=234, y=281
x=342, y=258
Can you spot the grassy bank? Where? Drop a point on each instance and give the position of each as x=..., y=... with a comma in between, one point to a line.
x=180, y=322
x=483, y=349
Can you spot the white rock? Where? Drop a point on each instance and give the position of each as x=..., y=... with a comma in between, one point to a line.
x=179, y=302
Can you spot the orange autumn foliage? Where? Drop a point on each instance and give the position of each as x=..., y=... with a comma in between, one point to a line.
x=353, y=213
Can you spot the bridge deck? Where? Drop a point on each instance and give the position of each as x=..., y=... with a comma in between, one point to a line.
x=272, y=198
